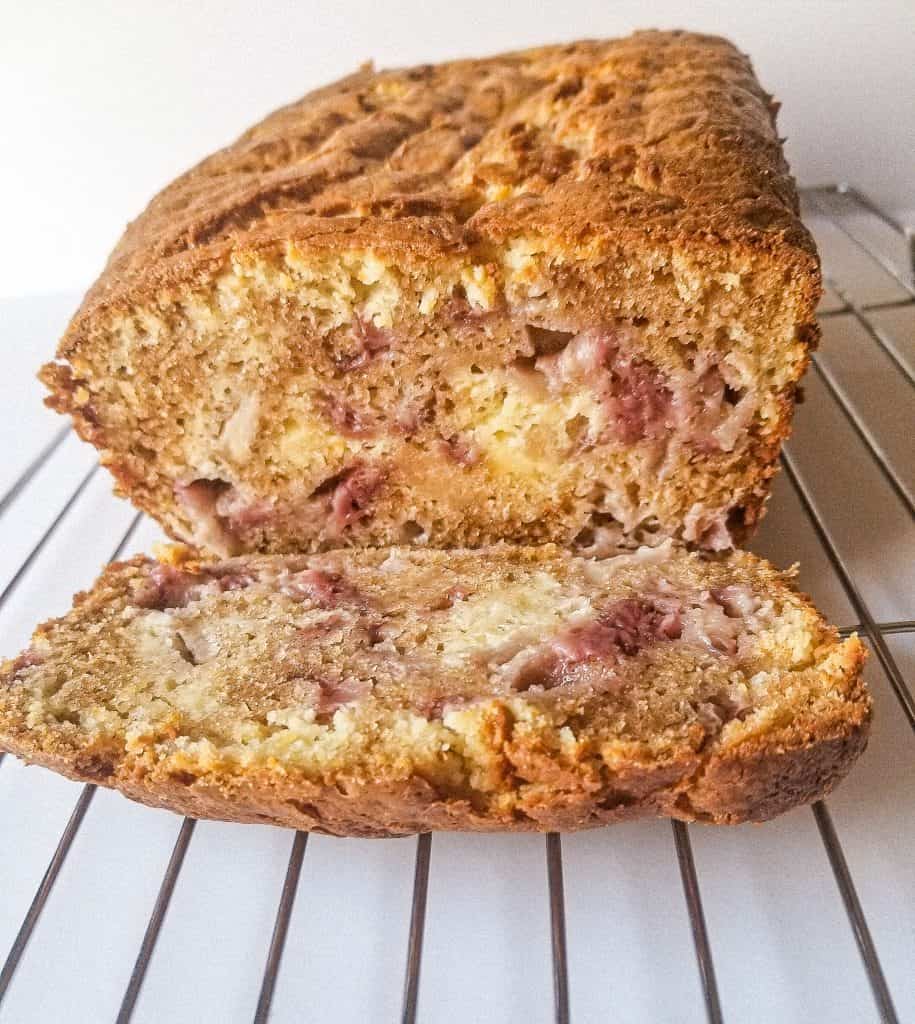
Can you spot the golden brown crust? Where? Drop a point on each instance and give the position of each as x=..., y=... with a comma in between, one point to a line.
x=753, y=784
x=681, y=147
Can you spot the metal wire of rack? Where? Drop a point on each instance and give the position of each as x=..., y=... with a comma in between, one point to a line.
x=856, y=219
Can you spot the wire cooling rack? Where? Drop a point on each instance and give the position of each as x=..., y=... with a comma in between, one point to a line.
x=811, y=917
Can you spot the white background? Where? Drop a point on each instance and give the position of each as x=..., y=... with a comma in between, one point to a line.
x=102, y=103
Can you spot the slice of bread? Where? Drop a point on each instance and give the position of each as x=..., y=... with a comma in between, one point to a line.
x=559, y=295
x=395, y=691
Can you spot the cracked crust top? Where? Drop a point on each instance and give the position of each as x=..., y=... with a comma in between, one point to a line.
x=660, y=135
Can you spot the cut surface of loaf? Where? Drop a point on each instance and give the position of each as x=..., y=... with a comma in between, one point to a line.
x=395, y=691
x=556, y=295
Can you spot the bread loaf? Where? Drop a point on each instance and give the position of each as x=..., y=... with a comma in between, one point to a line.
x=556, y=295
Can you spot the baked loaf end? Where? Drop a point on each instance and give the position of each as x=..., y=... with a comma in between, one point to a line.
x=394, y=691
x=556, y=295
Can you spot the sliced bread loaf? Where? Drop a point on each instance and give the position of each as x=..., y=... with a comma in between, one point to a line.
x=394, y=691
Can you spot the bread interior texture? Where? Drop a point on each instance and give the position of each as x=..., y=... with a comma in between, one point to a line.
x=301, y=401
x=326, y=665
